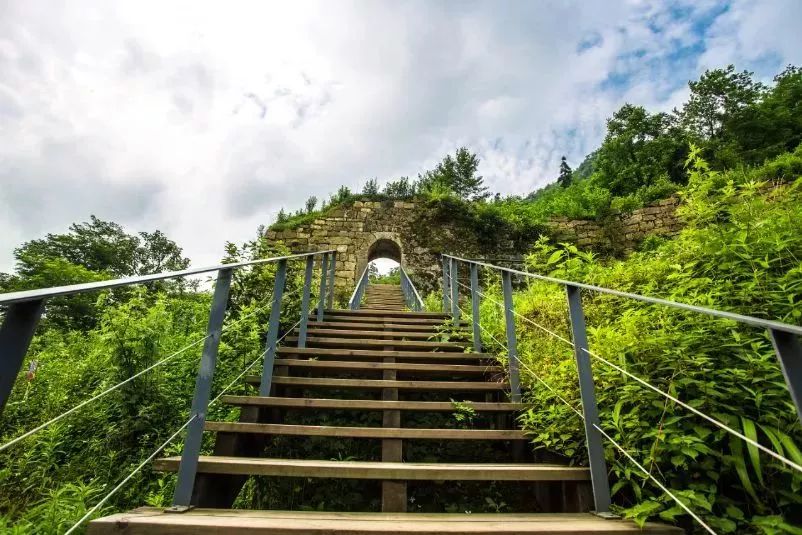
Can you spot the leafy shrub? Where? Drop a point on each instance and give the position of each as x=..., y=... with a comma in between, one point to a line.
x=740, y=252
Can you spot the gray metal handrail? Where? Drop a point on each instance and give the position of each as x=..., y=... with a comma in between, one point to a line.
x=25, y=309
x=359, y=289
x=784, y=338
x=749, y=320
x=411, y=295
x=56, y=291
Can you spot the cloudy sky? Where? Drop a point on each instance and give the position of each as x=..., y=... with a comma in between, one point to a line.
x=202, y=119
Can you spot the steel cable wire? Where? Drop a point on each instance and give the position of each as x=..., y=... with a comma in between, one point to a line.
x=668, y=396
x=121, y=383
x=122, y=483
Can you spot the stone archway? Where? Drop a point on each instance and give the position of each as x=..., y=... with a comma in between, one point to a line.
x=385, y=246
x=411, y=233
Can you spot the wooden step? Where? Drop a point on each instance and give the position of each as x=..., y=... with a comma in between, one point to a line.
x=371, y=319
x=338, y=365
x=365, y=326
x=365, y=432
x=367, y=404
x=154, y=521
x=378, y=354
x=345, y=343
x=376, y=335
x=255, y=466
x=372, y=384
x=411, y=315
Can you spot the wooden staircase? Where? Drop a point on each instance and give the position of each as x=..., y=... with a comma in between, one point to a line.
x=398, y=364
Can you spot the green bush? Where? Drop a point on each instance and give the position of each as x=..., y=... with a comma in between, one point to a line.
x=740, y=252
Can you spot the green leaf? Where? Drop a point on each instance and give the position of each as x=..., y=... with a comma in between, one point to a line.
x=754, y=453
x=555, y=257
x=736, y=446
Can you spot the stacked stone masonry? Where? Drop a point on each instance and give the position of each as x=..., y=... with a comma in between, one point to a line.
x=620, y=233
x=359, y=233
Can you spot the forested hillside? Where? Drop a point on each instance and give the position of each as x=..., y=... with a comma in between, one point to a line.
x=733, y=155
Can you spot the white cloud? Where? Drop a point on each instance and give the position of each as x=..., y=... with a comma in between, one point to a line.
x=203, y=120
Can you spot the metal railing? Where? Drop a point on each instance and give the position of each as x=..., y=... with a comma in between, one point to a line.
x=784, y=338
x=411, y=295
x=24, y=310
x=359, y=289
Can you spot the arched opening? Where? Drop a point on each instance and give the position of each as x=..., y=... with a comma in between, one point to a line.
x=384, y=259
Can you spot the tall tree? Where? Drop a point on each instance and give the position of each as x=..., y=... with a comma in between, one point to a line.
x=639, y=149
x=399, y=188
x=311, y=203
x=718, y=94
x=90, y=251
x=371, y=187
x=768, y=127
x=566, y=173
x=458, y=175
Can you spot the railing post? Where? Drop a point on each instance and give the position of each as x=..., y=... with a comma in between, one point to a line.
x=512, y=340
x=16, y=334
x=324, y=270
x=454, y=289
x=203, y=388
x=446, y=287
x=332, y=267
x=310, y=264
x=789, y=353
x=272, y=329
x=477, y=334
x=598, y=466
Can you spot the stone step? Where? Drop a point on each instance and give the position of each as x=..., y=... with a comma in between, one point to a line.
x=367, y=404
x=379, y=354
x=365, y=432
x=348, y=366
x=379, y=470
x=344, y=343
x=372, y=384
x=155, y=521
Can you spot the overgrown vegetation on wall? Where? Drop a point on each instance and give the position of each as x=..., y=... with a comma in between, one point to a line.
x=740, y=252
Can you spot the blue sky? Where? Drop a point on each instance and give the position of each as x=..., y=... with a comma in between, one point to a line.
x=203, y=120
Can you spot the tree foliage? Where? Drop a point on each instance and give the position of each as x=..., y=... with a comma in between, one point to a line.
x=88, y=252
x=458, y=175
x=564, y=179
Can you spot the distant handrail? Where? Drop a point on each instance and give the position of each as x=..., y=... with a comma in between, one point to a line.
x=414, y=298
x=55, y=291
x=359, y=289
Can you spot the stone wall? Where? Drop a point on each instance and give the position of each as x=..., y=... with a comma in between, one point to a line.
x=352, y=230
x=621, y=233
x=414, y=233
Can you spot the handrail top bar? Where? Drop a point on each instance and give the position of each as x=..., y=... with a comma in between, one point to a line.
x=740, y=318
x=417, y=295
x=55, y=291
x=356, y=288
